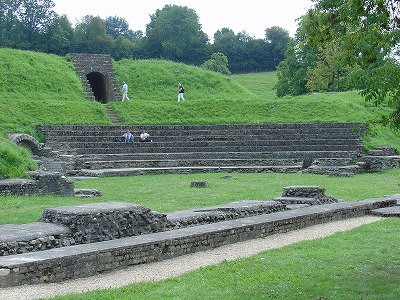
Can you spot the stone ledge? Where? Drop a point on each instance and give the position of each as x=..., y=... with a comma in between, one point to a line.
x=89, y=259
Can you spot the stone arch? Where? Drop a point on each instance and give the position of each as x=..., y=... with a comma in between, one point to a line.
x=26, y=141
x=98, y=83
x=97, y=75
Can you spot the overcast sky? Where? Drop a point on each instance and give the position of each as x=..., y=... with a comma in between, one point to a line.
x=252, y=16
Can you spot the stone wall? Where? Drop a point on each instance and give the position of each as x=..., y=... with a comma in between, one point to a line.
x=41, y=183
x=38, y=236
x=89, y=259
x=381, y=159
x=105, y=221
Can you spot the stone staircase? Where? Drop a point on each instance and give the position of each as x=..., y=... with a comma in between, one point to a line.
x=205, y=148
x=97, y=75
x=111, y=114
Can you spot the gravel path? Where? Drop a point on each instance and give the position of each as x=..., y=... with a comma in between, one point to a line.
x=177, y=266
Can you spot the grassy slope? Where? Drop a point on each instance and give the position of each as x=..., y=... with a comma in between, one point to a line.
x=367, y=265
x=38, y=88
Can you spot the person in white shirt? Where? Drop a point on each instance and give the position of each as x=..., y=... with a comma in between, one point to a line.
x=124, y=91
x=144, y=137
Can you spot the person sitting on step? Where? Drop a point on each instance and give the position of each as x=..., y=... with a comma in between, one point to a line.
x=144, y=137
x=128, y=136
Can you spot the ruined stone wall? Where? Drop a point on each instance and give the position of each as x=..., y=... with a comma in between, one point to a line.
x=89, y=259
x=41, y=183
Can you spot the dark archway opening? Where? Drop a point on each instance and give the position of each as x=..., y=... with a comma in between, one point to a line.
x=98, y=84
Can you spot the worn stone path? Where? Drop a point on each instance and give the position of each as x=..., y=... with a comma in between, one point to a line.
x=179, y=265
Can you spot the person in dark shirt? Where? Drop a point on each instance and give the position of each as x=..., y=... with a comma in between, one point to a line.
x=181, y=90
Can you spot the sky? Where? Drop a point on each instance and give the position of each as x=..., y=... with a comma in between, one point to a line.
x=252, y=16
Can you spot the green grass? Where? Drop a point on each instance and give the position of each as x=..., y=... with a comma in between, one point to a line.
x=159, y=192
x=364, y=263
x=37, y=88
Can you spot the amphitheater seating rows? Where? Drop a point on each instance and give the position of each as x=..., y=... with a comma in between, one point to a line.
x=287, y=147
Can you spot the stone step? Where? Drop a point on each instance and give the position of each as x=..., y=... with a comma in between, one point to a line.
x=202, y=130
x=334, y=170
x=393, y=211
x=284, y=144
x=353, y=127
x=201, y=136
x=295, y=134
x=296, y=200
x=332, y=161
x=187, y=170
x=189, y=163
x=146, y=149
x=288, y=155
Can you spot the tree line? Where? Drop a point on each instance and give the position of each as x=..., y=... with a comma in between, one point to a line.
x=174, y=33
x=347, y=44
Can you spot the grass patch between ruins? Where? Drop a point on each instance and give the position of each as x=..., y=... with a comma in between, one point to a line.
x=168, y=193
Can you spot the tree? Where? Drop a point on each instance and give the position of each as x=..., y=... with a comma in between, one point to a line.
x=174, y=33
x=217, y=63
x=23, y=23
x=116, y=26
x=91, y=37
x=279, y=39
x=300, y=57
x=331, y=73
x=35, y=15
x=367, y=32
x=123, y=48
x=60, y=36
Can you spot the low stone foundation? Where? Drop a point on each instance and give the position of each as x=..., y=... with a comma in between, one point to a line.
x=225, y=212
x=41, y=183
x=105, y=221
x=89, y=259
x=309, y=195
x=38, y=236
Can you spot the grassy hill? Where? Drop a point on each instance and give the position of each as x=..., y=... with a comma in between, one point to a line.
x=37, y=88
x=360, y=264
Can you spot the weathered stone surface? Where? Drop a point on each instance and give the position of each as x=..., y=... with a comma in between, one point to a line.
x=42, y=183
x=32, y=237
x=201, y=184
x=236, y=148
x=311, y=195
x=88, y=193
x=105, y=221
x=229, y=211
x=89, y=259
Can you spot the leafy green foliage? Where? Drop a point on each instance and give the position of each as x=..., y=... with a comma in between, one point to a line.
x=217, y=63
x=174, y=33
x=366, y=33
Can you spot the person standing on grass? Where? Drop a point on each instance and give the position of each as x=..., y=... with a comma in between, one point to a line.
x=124, y=91
x=181, y=91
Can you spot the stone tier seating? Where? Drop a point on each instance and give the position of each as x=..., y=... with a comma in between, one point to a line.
x=76, y=241
x=381, y=159
x=94, y=151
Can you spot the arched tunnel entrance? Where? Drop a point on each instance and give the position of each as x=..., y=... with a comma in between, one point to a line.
x=98, y=84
